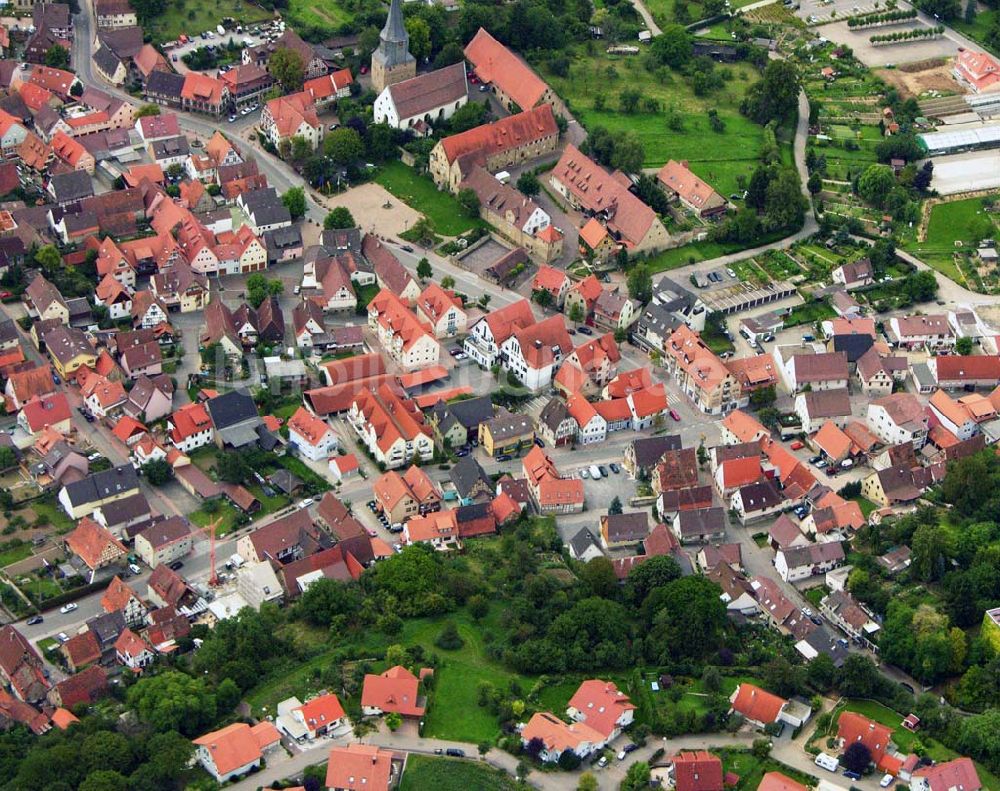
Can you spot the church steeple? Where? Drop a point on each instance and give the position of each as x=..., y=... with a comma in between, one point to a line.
x=392, y=61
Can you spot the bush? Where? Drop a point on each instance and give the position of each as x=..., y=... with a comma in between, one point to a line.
x=449, y=639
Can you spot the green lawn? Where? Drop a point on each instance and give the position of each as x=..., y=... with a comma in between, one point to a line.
x=815, y=595
x=193, y=18
x=866, y=505
x=54, y=515
x=810, y=313
x=419, y=193
x=751, y=769
x=719, y=158
x=979, y=29
x=444, y=774
x=12, y=554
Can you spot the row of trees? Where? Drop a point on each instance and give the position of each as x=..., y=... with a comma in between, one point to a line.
x=908, y=35
x=866, y=20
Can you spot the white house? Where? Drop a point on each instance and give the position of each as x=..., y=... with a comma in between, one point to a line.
x=913, y=332
x=236, y=749
x=803, y=365
x=488, y=334
x=799, y=563
x=190, y=428
x=311, y=436
x=591, y=427
x=533, y=354
x=818, y=406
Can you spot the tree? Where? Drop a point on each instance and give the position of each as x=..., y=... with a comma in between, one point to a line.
x=295, y=201
x=616, y=506
x=686, y=618
x=173, y=701
x=232, y=467
x=227, y=695
x=8, y=458
x=775, y=96
x=542, y=297
x=763, y=397
x=711, y=680
x=424, y=271
x=629, y=99
x=599, y=575
x=924, y=176
x=876, y=183
x=288, y=68
x=637, y=776
x=963, y=346
x=393, y=721
x=784, y=203
x=942, y=9
x=420, y=37
x=587, y=782
x=640, y=284
x=328, y=601
x=103, y=779
x=629, y=153
x=344, y=145
x=423, y=230
x=157, y=471
x=673, y=47
x=147, y=109
x=450, y=53
x=529, y=184
x=856, y=757
x=858, y=676
x=301, y=149
x=469, y=201
x=576, y=312
x=467, y=117
x=338, y=218
x=931, y=549
x=447, y=282
x=656, y=572
x=57, y=57
x=815, y=183
x=449, y=639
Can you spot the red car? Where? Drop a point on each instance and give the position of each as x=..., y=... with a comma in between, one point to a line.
x=372, y=533
x=6, y=295
x=797, y=445
x=674, y=415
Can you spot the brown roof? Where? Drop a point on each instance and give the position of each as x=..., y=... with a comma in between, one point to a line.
x=678, y=469
x=83, y=687
x=827, y=403
x=507, y=133
x=496, y=64
x=820, y=367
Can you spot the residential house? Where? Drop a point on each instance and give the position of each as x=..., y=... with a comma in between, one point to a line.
x=404, y=496
x=592, y=190
x=235, y=750
x=507, y=434
x=757, y=501
x=854, y=275
x=21, y=666
x=739, y=427
x=455, y=423
x=390, y=426
x=292, y=116
x=800, y=366
x=697, y=770
x=850, y=617
x=693, y=193
x=190, y=427
x=875, y=377
x=237, y=422
x=558, y=737
x=356, y=766
x=932, y=333
x=488, y=334
x=549, y=492
x=953, y=371
x=700, y=525
x=620, y=530
x=591, y=427
x=958, y=773
x=533, y=354
x=98, y=489
x=898, y=418
x=396, y=690
x=614, y=311
x=165, y=541
x=120, y=597
x=555, y=424
x=402, y=335
x=700, y=374
x=602, y=706
x=798, y=563
x=553, y=281
x=817, y=407
x=312, y=437
x=642, y=455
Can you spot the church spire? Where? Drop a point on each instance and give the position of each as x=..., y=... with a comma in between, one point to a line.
x=394, y=31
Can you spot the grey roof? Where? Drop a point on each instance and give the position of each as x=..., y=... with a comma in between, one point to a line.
x=394, y=32
x=554, y=413
x=760, y=496
x=627, y=527
x=8, y=331
x=231, y=408
x=649, y=450
x=282, y=238
x=165, y=83
x=823, y=641
x=581, y=542
x=702, y=521
x=107, y=627
x=813, y=554
x=265, y=206
x=511, y=425
x=71, y=186
x=659, y=319
x=102, y=484
x=171, y=147
x=472, y=411
x=167, y=531
x=853, y=345
x=126, y=510
x=342, y=240
x=466, y=474
x=107, y=61
x=286, y=480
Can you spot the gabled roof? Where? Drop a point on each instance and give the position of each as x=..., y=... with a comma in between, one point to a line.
x=430, y=91
x=90, y=541
x=510, y=132
x=601, y=705
x=697, y=771
x=853, y=727
x=496, y=64
x=395, y=690
x=757, y=704
x=238, y=744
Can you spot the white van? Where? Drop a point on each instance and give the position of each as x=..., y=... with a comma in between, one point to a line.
x=827, y=762
x=595, y=472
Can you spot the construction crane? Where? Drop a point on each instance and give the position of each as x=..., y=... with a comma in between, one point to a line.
x=209, y=531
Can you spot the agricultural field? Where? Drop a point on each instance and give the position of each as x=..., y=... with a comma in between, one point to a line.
x=722, y=159
x=418, y=192
x=847, y=150
x=192, y=17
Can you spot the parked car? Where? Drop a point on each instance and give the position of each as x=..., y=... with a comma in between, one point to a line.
x=816, y=620
x=372, y=532
x=134, y=569
x=62, y=637
x=630, y=748
x=585, y=330
x=615, y=468
x=504, y=457
x=454, y=752
x=731, y=273
x=67, y=608
x=674, y=414
x=462, y=452
x=603, y=762
x=306, y=503
x=177, y=565
x=603, y=469
x=585, y=473
x=34, y=620
x=886, y=781
x=852, y=775
x=797, y=445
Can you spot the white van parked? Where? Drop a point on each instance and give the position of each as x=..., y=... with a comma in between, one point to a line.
x=827, y=762
x=595, y=472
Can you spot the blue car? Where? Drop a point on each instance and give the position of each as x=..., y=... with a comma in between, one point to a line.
x=852, y=775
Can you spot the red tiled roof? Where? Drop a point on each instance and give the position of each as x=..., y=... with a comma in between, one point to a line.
x=853, y=727
x=757, y=704
x=507, y=133
x=395, y=690
x=496, y=64
x=697, y=771
x=90, y=540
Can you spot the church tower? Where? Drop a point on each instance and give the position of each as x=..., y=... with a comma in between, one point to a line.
x=392, y=61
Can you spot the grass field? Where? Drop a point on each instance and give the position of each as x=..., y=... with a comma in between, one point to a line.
x=46, y=507
x=810, y=313
x=719, y=158
x=751, y=769
x=444, y=774
x=980, y=27
x=419, y=193
x=12, y=554
x=327, y=14
x=949, y=223
x=193, y=18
